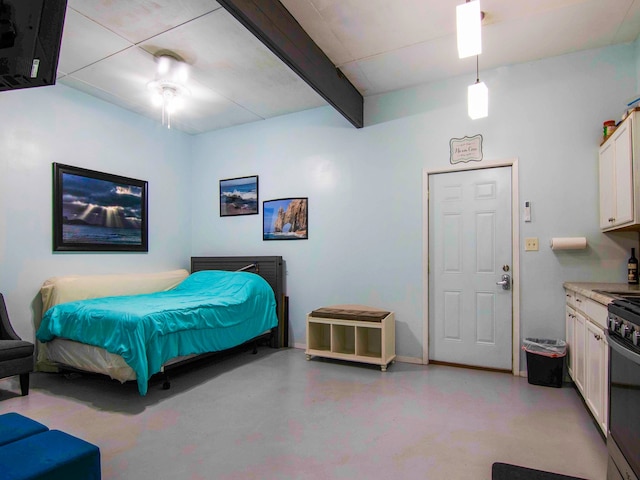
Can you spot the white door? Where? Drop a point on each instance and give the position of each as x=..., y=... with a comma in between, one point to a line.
x=470, y=252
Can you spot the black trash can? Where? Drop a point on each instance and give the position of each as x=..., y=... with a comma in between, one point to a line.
x=545, y=361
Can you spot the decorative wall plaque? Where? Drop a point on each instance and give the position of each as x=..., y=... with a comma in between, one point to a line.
x=465, y=149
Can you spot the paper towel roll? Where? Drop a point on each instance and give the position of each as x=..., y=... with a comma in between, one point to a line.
x=568, y=243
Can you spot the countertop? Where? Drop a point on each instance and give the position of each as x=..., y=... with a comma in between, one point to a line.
x=588, y=289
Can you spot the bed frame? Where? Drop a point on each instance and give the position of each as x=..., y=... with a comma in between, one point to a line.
x=272, y=269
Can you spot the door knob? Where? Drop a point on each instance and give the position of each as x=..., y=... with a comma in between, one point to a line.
x=506, y=282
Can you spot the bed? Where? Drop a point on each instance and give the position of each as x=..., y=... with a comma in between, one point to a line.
x=133, y=326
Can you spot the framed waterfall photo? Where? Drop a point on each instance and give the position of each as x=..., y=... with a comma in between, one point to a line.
x=285, y=219
x=95, y=211
x=239, y=196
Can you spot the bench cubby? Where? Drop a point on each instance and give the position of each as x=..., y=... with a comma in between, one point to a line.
x=356, y=333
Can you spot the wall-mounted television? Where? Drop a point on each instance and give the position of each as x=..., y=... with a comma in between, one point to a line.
x=30, y=38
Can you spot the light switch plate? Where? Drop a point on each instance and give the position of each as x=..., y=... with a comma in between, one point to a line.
x=531, y=244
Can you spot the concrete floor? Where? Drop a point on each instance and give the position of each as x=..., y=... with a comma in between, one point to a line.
x=275, y=415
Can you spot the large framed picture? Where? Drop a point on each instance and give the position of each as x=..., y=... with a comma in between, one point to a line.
x=239, y=196
x=95, y=211
x=285, y=219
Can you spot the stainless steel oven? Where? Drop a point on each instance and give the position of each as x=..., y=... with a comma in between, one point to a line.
x=623, y=441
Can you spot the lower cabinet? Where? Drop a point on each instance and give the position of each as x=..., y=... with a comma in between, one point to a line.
x=570, y=314
x=596, y=381
x=588, y=356
x=578, y=345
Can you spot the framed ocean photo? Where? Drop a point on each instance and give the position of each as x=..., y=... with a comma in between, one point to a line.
x=239, y=196
x=285, y=219
x=95, y=211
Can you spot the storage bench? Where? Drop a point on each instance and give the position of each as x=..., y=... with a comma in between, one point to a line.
x=29, y=450
x=352, y=332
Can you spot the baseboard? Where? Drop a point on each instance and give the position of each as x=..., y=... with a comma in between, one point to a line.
x=415, y=360
x=400, y=359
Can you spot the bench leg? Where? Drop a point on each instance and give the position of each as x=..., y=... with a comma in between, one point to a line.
x=24, y=383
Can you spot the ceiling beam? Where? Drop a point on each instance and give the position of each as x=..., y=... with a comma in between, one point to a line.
x=274, y=26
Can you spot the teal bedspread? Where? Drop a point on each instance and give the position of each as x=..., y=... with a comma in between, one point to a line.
x=209, y=311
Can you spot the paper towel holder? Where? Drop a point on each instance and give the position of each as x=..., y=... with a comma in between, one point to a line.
x=568, y=243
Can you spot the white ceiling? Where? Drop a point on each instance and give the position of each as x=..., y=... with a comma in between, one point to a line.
x=108, y=48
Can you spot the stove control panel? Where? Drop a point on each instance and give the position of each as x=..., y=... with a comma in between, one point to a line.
x=624, y=329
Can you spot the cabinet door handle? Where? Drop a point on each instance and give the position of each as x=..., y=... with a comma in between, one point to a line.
x=611, y=219
x=597, y=336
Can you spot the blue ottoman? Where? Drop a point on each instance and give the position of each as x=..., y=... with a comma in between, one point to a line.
x=30, y=451
x=14, y=426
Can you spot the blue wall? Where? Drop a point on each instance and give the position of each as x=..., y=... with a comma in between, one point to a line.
x=58, y=124
x=364, y=187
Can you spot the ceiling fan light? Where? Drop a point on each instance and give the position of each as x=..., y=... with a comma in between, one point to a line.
x=181, y=73
x=164, y=64
x=169, y=86
x=156, y=99
x=469, y=29
x=478, y=100
x=171, y=100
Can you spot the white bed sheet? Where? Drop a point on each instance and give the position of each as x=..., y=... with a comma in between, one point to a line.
x=94, y=359
x=89, y=358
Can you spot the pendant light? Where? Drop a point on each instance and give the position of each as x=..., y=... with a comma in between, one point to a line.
x=478, y=98
x=469, y=22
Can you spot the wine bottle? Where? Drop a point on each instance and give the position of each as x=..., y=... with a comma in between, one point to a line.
x=632, y=266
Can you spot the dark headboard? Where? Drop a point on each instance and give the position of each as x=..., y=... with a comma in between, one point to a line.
x=272, y=269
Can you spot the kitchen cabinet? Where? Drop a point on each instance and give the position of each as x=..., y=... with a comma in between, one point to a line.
x=595, y=362
x=570, y=315
x=618, y=159
x=588, y=362
x=579, y=328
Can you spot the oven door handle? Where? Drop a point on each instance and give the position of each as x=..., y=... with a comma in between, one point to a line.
x=616, y=345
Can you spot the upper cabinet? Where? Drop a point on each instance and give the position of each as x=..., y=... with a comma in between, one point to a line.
x=619, y=156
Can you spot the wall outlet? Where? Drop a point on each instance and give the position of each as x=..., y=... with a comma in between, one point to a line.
x=531, y=244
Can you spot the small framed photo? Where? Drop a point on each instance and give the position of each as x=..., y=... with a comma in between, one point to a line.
x=239, y=196
x=95, y=211
x=285, y=219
